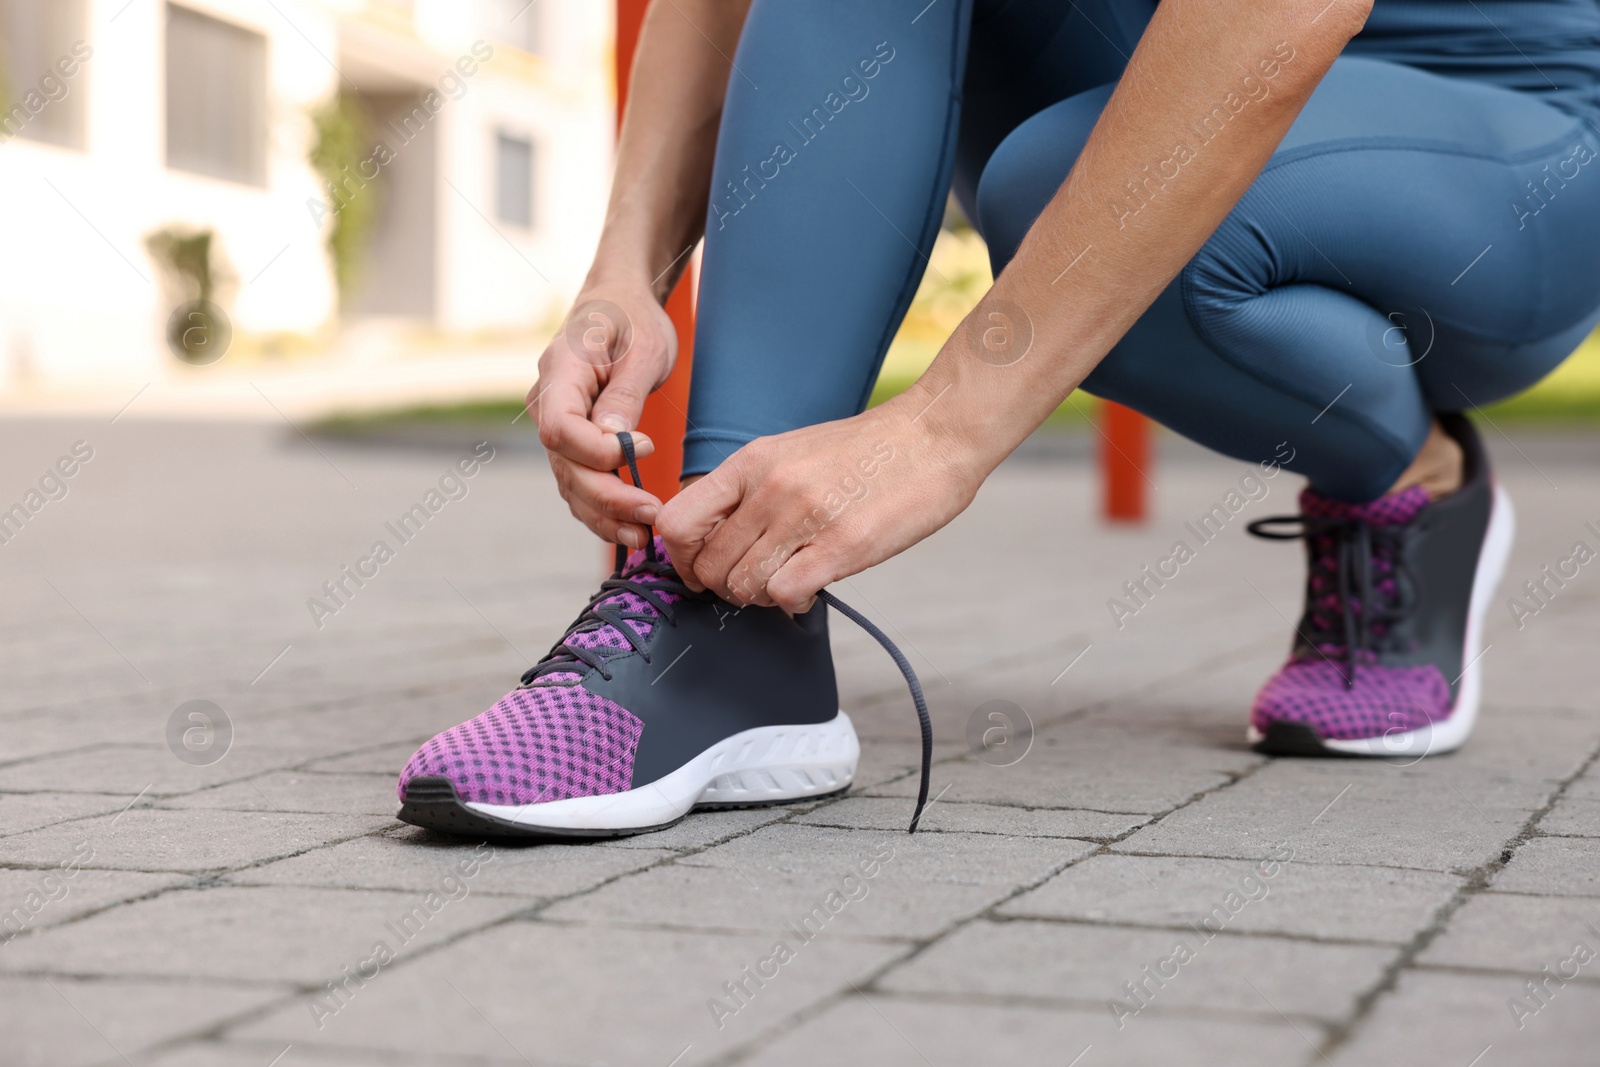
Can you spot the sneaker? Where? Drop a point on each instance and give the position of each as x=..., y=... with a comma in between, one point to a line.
x=657, y=701
x=1386, y=657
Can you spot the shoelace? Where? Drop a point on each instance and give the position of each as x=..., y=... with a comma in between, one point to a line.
x=566, y=658
x=1364, y=626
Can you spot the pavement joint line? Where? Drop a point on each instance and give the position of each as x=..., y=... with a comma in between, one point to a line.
x=1499, y=972
x=921, y=945
x=1199, y=1013
x=221, y=1027
x=1455, y=872
x=576, y=923
x=1177, y=927
x=1475, y=881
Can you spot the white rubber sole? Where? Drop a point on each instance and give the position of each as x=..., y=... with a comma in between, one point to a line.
x=1451, y=733
x=766, y=765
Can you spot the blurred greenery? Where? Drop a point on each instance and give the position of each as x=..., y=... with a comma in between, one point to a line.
x=190, y=260
x=342, y=144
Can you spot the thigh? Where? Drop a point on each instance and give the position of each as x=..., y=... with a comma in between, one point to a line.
x=1467, y=216
x=832, y=165
x=1025, y=55
x=1345, y=297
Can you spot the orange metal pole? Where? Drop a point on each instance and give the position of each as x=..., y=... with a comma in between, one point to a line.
x=1125, y=447
x=665, y=413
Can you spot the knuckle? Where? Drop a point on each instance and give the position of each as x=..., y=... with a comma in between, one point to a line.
x=551, y=434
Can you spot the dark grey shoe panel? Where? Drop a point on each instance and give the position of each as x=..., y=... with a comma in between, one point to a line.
x=1443, y=553
x=718, y=671
x=1440, y=553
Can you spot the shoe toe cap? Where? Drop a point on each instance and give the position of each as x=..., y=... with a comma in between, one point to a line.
x=1383, y=700
x=533, y=746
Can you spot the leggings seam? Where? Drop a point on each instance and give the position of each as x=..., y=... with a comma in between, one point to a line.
x=1294, y=156
x=1273, y=382
x=941, y=179
x=1392, y=144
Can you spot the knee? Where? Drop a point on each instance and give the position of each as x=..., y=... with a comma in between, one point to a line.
x=1028, y=167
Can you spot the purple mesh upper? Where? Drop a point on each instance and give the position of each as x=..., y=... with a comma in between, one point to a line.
x=1393, y=510
x=1311, y=689
x=548, y=741
x=538, y=744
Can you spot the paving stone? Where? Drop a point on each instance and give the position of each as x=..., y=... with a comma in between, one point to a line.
x=896, y=1031
x=886, y=813
x=90, y=1021
x=299, y=791
x=705, y=828
x=30, y=811
x=1586, y=786
x=263, y=933
x=1574, y=816
x=1099, y=768
x=149, y=839
x=133, y=769
x=261, y=1053
x=1091, y=966
x=414, y=859
x=583, y=994
x=1510, y=932
x=1353, y=811
x=32, y=899
x=1456, y=1018
x=1562, y=866
x=219, y=532
x=784, y=875
x=384, y=759
x=1243, y=896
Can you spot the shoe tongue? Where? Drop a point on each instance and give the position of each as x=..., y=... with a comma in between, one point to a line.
x=637, y=557
x=1395, y=509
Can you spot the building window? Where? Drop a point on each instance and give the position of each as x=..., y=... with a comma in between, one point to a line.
x=513, y=197
x=43, y=84
x=216, y=98
x=518, y=23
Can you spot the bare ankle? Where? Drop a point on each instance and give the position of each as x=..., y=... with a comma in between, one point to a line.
x=1438, y=466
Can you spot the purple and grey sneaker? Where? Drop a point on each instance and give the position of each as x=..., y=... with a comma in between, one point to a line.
x=1385, y=658
x=657, y=701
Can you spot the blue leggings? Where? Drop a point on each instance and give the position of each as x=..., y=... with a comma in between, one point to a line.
x=1418, y=243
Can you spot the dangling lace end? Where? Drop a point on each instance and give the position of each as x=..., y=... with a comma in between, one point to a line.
x=625, y=439
x=912, y=683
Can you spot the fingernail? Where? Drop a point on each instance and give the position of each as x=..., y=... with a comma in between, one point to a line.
x=614, y=423
x=645, y=513
x=630, y=537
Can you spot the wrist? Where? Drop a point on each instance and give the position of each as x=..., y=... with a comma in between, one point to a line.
x=930, y=417
x=613, y=273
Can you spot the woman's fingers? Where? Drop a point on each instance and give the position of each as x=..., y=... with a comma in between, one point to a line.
x=793, y=586
x=748, y=579
x=689, y=520
x=614, y=509
x=560, y=404
x=629, y=381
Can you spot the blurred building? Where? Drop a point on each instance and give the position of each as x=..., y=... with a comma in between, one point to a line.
x=464, y=144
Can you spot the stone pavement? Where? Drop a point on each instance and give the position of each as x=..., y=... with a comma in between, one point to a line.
x=1137, y=888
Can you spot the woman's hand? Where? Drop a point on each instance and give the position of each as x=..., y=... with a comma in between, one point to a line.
x=787, y=515
x=616, y=346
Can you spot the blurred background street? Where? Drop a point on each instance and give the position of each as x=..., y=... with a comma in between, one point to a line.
x=273, y=267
